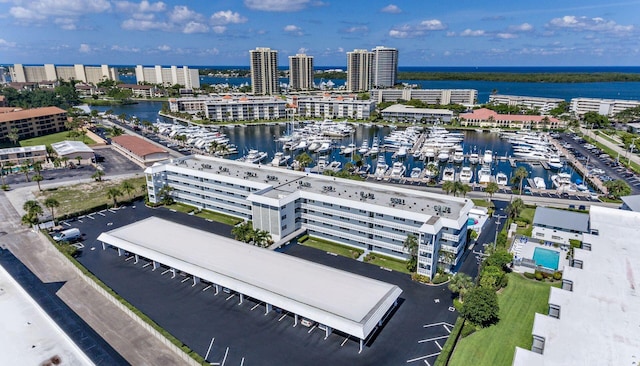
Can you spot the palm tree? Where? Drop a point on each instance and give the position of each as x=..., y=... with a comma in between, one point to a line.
x=460, y=283
x=13, y=135
x=113, y=193
x=261, y=238
x=213, y=148
x=33, y=210
x=52, y=204
x=515, y=208
x=126, y=186
x=98, y=175
x=448, y=187
x=491, y=189
x=122, y=117
x=519, y=176
x=464, y=189
x=242, y=232
x=26, y=168
x=79, y=159
x=38, y=178
x=410, y=245
x=65, y=160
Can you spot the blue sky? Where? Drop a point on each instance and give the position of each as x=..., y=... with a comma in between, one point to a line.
x=220, y=32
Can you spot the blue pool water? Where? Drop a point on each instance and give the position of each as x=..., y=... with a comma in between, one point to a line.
x=471, y=221
x=546, y=258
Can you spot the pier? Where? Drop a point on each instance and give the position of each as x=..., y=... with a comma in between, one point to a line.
x=578, y=166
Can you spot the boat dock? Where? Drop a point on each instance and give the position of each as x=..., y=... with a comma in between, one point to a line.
x=580, y=168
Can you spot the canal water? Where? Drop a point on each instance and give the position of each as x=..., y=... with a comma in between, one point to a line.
x=263, y=138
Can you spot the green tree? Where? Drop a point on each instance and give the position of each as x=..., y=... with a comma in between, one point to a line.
x=243, y=232
x=491, y=189
x=165, y=193
x=463, y=188
x=595, y=120
x=499, y=258
x=13, y=136
x=33, y=211
x=127, y=187
x=410, y=246
x=261, y=238
x=515, y=208
x=491, y=277
x=113, y=193
x=481, y=306
x=519, y=176
x=304, y=159
x=448, y=187
x=52, y=203
x=25, y=168
x=38, y=178
x=97, y=175
x=617, y=188
x=460, y=284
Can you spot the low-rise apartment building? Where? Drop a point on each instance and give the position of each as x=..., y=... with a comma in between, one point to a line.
x=605, y=107
x=332, y=106
x=428, y=96
x=541, y=104
x=484, y=117
x=362, y=215
x=32, y=122
x=559, y=226
x=22, y=154
x=406, y=113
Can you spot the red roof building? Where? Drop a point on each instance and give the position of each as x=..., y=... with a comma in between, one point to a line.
x=139, y=150
x=484, y=117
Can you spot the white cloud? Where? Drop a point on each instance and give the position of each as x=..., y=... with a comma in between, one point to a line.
x=506, y=35
x=391, y=9
x=227, y=17
x=398, y=34
x=84, y=48
x=65, y=12
x=142, y=7
x=144, y=25
x=4, y=43
x=303, y=50
x=119, y=48
x=432, y=24
x=597, y=24
x=195, y=27
x=219, y=29
x=182, y=14
x=278, y=5
x=356, y=29
x=164, y=48
x=143, y=16
x=21, y=13
x=65, y=23
x=524, y=27
x=293, y=29
x=411, y=31
x=472, y=33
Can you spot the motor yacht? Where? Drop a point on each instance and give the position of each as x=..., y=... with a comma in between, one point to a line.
x=415, y=172
x=449, y=174
x=381, y=168
x=458, y=155
x=254, y=156
x=502, y=179
x=484, y=175
x=487, y=158
x=443, y=156
x=280, y=159
x=474, y=158
x=539, y=183
x=466, y=174
x=397, y=170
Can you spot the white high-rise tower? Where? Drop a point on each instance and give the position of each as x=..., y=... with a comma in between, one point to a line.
x=385, y=67
x=359, y=70
x=264, y=71
x=301, y=72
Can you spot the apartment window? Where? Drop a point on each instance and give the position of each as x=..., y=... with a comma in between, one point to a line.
x=554, y=311
x=283, y=217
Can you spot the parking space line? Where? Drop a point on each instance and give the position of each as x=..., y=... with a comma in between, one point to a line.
x=101, y=214
x=206, y=288
x=165, y=272
x=91, y=217
x=209, y=350
x=242, y=362
x=185, y=279
x=438, y=344
x=422, y=357
x=112, y=211
x=447, y=329
x=230, y=297
x=432, y=339
x=311, y=330
x=129, y=258
x=80, y=221
x=343, y=342
x=436, y=324
x=66, y=224
x=427, y=363
x=283, y=316
x=255, y=306
x=147, y=265
x=225, y=356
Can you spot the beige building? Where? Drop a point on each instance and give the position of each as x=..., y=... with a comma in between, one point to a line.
x=466, y=97
x=484, y=117
x=300, y=72
x=264, y=71
x=72, y=150
x=168, y=76
x=32, y=122
x=50, y=72
x=19, y=155
x=139, y=150
x=359, y=70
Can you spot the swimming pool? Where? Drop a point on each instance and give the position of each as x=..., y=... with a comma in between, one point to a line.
x=546, y=258
x=471, y=221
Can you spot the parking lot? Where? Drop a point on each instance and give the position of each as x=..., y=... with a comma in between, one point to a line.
x=241, y=334
x=605, y=166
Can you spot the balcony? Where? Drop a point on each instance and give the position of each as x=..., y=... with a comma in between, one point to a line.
x=450, y=237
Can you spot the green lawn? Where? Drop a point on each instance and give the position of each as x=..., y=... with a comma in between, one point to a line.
x=388, y=262
x=328, y=246
x=495, y=346
x=218, y=217
x=54, y=137
x=180, y=207
x=481, y=202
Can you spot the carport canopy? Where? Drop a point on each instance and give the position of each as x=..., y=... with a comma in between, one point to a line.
x=344, y=301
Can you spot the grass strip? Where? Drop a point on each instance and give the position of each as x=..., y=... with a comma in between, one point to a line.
x=332, y=247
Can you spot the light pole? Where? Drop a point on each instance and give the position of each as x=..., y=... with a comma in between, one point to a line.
x=495, y=240
x=631, y=147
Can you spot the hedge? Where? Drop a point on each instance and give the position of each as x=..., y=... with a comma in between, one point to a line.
x=450, y=344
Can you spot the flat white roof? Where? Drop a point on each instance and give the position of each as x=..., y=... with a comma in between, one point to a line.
x=600, y=319
x=401, y=108
x=344, y=301
x=67, y=147
x=23, y=149
x=29, y=336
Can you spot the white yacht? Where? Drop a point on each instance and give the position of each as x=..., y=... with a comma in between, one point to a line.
x=381, y=168
x=364, y=148
x=402, y=152
x=502, y=179
x=474, y=158
x=398, y=170
x=487, y=158
x=484, y=175
x=554, y=162
x=458, y=155
x=375, y=148
x=562, y=182
x=415, y=172
x=449, y=174
x=349, y=149
x=443, y=156
x=254, y=156
x=324, y=147
x=429, y=153
x=335, y=166
x=466, y=174
x=280, y=159
x=539, y=183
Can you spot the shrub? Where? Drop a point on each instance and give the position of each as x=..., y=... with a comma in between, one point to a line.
x=5, y=187
x=557, y=276
x=504, y=281
x=457, y=304
x=467, y=330
x=303, y=238
x=420, y=278
x=440, y=278
x=539, y=276
x=575, y=243
x=521, y=223
x=529, y=275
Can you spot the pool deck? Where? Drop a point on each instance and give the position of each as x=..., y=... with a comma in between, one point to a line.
x=524, y=247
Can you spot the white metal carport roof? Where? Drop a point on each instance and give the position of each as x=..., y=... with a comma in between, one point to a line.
x=341, y=300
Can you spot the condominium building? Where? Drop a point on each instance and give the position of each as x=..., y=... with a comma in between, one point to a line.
x=3, y=75
x=605, y=107
x=50, y=72
x=385, y=67
x=264, y=71
x=484, y=117
x=167, y=76
x=22, y=154
x=32, y=122
x=375, y=218
x=594, y=317
x=236, y=107
x=300, y=72
x=330, y=106
x=359, y=70
x=467, y=97
x=543, y=105
x=405, y=113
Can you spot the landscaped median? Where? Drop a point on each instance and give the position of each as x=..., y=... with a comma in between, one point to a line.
x=205, y=214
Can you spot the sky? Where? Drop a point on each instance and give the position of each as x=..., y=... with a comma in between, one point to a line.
x=221, y=32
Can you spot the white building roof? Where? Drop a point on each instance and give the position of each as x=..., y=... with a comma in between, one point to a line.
x=29, y=336
x=401, y=108
x=23, y=149
x=344, y=301
x=64, y=148
x=632, y=202
x=600, y=319
x=566, y=220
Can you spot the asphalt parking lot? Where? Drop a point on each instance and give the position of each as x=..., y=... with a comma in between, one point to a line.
x=116, y=163
x=241, y=334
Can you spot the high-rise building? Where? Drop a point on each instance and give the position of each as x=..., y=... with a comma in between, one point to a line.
x=385, y=67
x=168, y=76
x=51, y=72
x=359, y=70
x=301, y=72
x=264, y=71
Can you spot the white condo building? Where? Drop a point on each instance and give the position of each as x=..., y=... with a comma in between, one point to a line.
x=605, y=107
x=286, y=203
x=467, y=97
x=50, y=72
x=264, y=71
x=385, y=67
x=300, y=72
x=168, y=76
x=544, y=105
x=330, y=106
x=359, y=70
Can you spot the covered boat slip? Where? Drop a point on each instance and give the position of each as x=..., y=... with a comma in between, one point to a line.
x=336, y=299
